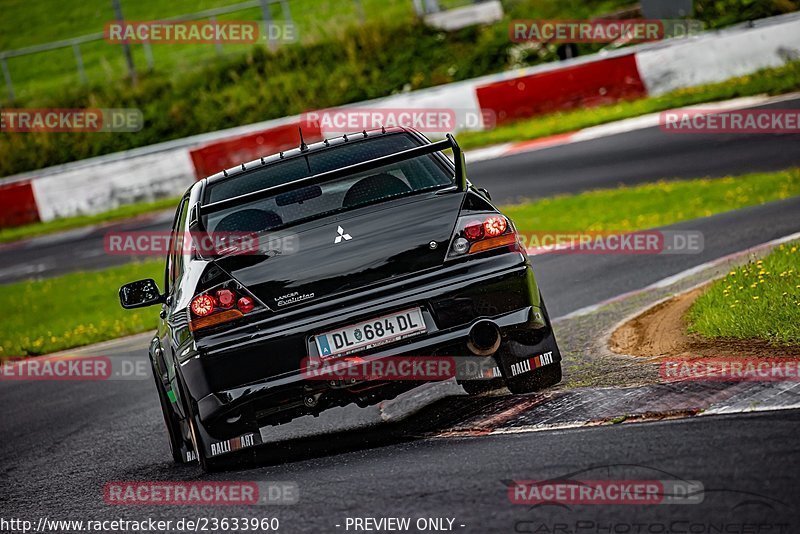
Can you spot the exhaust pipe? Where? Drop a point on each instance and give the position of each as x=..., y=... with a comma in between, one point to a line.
x=484, y=338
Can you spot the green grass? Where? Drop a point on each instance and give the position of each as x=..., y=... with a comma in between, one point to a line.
x=316, y=20
x=103, y=62
x=652, y=205
x=72, y=310
x=51, y=20
x=58, y=225
x=778, y=80
x=760, y=300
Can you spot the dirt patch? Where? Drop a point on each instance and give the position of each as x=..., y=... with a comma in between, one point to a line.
x=660, y=332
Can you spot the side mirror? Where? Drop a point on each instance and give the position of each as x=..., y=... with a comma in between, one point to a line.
x=140, y=294
x=485, y=193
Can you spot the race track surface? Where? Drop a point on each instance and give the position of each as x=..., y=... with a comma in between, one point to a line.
x=61, y=442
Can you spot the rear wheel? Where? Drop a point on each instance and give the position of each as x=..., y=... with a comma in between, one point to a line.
x=536, y=380
x=476, y=387
x=206, y=464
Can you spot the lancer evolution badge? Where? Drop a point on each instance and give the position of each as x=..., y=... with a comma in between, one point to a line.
x=342, y=235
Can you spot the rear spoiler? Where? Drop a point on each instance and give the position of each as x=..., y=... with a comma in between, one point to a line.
x=449, y=143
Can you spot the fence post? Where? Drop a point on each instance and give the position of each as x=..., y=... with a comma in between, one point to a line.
x=287, y=13
x=360, y=11
x=148, y=55
x=266, y=14
x=126, y=46
x=76, y=49
x=7, y=76
x=217, y=45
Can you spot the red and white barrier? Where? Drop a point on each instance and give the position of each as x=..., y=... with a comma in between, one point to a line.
x=17, y=204
x=213, y=157
x=167, y=169
x=589, y=84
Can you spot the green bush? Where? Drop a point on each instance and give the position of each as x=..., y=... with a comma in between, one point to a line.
x=719, y=13
x=375, y=60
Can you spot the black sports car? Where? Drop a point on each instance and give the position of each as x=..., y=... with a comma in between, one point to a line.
x=372, y=244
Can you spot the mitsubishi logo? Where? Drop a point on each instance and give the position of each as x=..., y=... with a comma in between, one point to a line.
x=342, y=235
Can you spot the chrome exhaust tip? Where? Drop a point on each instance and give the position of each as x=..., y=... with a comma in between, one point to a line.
x=484, y=338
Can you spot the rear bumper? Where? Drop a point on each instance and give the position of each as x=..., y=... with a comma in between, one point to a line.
x=254, y=376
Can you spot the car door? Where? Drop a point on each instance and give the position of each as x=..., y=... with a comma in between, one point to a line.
x=163, y=347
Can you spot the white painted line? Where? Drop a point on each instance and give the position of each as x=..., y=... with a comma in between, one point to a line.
x=490, y=152
x=726, y=410
x=633, y=124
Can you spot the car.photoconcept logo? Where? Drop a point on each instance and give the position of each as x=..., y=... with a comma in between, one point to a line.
x=341, y=236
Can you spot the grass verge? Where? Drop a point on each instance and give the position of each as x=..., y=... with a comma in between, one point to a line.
x=653, y=205
x=759, y=300
x=72, y=310
x=68, y=223
x=773, y=81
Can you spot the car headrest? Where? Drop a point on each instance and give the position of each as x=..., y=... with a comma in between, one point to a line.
x=373, y=188
x=249, y=220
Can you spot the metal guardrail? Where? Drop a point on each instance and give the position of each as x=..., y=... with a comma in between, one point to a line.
x=76, y=42
x=420, y=7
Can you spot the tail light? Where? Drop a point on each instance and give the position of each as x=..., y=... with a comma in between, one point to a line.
x=479, y=233
x=221, y=304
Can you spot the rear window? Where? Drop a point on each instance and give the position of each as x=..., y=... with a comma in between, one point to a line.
x=399, y=179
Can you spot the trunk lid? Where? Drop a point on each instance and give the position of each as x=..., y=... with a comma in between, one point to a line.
x=349, y=250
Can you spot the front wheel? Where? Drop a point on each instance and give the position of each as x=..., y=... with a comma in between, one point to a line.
x=179, y=448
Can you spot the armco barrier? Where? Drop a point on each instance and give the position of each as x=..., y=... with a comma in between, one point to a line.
x=716, y=57
x=588, y=84
x=17, y=204
x=213, y=157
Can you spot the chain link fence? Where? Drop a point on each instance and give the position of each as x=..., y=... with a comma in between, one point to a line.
x=91, y=58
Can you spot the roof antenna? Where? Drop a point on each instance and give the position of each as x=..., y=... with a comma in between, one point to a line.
x=303, y=145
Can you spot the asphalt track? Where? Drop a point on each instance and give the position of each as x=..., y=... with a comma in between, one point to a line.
x=61, y=442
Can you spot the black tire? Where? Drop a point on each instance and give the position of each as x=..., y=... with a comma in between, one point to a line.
x=538, y=379
x=206, y=464
x=476, y=387
x=177, y=445
x=200, y=439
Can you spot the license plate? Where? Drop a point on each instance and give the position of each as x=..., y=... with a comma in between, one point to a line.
x=372, y=333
